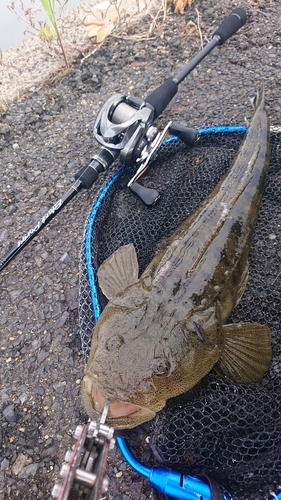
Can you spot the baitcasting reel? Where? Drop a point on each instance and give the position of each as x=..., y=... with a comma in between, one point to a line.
x=124, y=126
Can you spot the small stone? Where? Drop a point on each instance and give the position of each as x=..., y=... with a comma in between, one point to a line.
x=50, y=452
x=19, y=464
x=38, y=261
x=46, y=118
x=22, y=397
x=8, y=413
x=71, y=296
x=30, y=119
x=4, y=395
x=5, y=464
x=4, y=128
x=15, y=294
x=29, y=470
x=62, y=319
x=42, y=356
x=122, y=466
x=4, y=317
x=65, y=258
x=39, y=389
x=4, y=235
x=42, y=192
x=136, y=488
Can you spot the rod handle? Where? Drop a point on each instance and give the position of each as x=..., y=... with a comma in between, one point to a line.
x=160, y=97
x=231, y=24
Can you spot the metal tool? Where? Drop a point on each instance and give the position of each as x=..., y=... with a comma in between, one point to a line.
x=84, y=470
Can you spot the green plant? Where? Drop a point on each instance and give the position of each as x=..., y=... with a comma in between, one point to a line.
x=29, y=14
x=49, y=7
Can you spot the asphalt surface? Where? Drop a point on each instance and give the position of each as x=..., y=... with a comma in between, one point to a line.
x=44, y=140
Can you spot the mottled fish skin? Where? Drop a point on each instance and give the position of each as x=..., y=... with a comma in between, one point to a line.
x=164, y=332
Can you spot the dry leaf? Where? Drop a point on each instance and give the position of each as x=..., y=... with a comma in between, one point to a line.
x=92, y=22
x=181, y=4
x=100, y=32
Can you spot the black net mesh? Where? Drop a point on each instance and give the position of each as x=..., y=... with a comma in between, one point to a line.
x=230, y=432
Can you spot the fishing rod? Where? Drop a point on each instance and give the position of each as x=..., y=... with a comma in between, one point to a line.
x=124, y=128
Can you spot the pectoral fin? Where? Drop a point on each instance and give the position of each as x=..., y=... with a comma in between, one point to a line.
x=119, y=271
x=247, y=352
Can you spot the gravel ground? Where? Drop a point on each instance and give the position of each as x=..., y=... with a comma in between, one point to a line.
x=29, y=63
x=44, y=141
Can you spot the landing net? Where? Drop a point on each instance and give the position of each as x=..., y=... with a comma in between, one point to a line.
x=228, y=431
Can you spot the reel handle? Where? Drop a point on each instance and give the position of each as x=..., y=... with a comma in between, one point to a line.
x=148, y=196
x=185, y=134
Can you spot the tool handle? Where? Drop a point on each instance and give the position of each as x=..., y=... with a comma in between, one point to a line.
x=160, y=97
x=231, y=24
x=185, y=134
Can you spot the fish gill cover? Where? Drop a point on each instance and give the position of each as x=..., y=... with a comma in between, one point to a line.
x=230, y=432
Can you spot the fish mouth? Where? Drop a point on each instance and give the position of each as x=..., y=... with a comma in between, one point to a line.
x=117, y=409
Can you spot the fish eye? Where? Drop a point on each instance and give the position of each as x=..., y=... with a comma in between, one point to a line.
x=161, y=367
x=114, y=343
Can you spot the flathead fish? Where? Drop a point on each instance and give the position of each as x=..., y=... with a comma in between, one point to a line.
x=162, y=332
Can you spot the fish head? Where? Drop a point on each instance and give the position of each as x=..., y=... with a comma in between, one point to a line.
x=138, y=361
